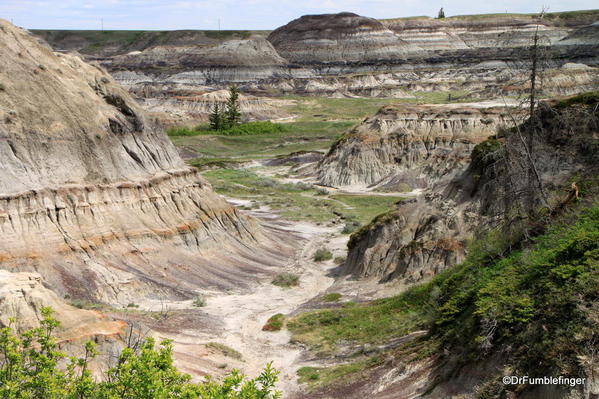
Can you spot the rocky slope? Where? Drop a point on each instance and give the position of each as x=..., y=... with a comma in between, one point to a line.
x=483, y=31
x=425, y=235
x=344, y=37
x=95, y=198
x=410, y=146
x=22, y=296
x=346, y=54
x=189, y=108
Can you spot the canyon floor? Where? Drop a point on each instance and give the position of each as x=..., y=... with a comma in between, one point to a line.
x=265, y=180
x=231, y=334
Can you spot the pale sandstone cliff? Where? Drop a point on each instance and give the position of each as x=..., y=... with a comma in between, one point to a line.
x=94, y=197
x=410, y=145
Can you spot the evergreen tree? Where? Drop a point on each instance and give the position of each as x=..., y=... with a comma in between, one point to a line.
x=232, y=114
x=441, y=14
x=216, y=118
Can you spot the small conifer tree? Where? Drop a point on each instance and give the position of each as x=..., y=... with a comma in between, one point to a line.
x=216, y=118
x=232, y=114
x=441, y=14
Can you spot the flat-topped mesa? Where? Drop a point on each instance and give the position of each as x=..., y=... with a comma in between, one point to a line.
x=343, y=37
x=407, y=147
x=93, y=195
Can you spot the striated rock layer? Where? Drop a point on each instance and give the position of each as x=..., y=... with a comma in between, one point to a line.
x=350, y=55
x=193, y=107
x=95, y=198
x=410, y=146
x=427, y=234
x=345, y=37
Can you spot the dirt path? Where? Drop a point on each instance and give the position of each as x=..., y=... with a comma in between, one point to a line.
x=241, y=316
x=244, y=315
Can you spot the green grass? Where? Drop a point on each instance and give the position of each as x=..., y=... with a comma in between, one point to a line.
x=320, y=377
x=356, y=109
x=367, y=207
x=331, y=297
x=300, y=136
x=84, y=304
x=274, y=323
x=371, y=323
x=225, y=350
x=243, y=129
x=297, y=202
x=94, y=41
x=319, y=123
x=540, y=300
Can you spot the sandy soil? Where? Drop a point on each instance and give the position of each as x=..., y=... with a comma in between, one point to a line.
x=235, y=319
x=241, y=316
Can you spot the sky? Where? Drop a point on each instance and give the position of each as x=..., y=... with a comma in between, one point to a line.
x=242, y=14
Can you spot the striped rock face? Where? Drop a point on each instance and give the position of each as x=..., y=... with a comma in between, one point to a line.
x=343, y=37
x=412, y=146
x=95, y=198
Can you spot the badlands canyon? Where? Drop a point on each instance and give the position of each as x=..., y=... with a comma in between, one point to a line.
x=413, y=226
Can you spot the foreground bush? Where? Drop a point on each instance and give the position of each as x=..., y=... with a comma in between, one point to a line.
x=29, y=369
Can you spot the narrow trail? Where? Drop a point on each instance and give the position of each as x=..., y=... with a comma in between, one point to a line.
x=242, y=315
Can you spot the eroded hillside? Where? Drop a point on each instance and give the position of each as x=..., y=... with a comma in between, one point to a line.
x=96, y=198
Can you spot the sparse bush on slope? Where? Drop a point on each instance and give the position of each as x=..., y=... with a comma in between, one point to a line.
x=29, y=369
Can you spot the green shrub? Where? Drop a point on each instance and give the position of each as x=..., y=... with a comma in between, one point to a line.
x=322, y=254
x=199, y=301
x=132, y=305
x=286, y=280
x=274, y=323
x=350, y=227
x=339, y=260
x=483, y=153
x=31, y=369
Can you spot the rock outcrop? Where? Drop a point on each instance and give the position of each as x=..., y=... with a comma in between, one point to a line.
x=188, y=108
x=343, y=37
x=463, y=32
x=22, y=298
x=427, y=234
x=410, y=146
x=94, y=197
x=349, y=55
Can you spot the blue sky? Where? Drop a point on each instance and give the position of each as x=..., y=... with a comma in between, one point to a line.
x=244, y=14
